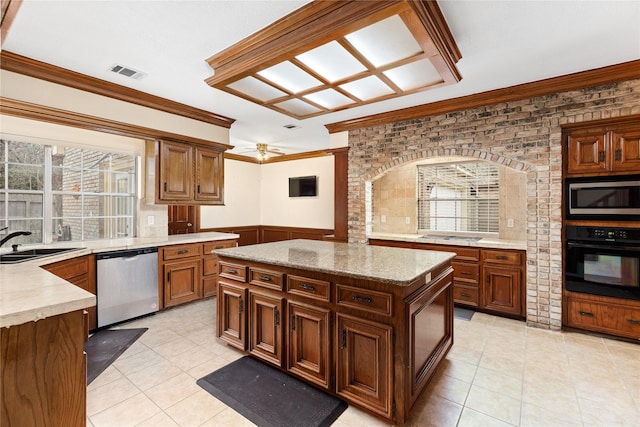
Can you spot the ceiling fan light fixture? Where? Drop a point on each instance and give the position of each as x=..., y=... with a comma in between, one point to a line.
x=262, y=153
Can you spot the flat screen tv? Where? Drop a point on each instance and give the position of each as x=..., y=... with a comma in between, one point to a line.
x=303, y=186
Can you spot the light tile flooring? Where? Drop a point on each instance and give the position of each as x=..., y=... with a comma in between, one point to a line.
x=498, y=373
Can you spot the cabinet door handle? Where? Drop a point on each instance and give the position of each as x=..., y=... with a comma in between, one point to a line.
x=165, y=186
x=586, y=313
x=293, y=322
x=601, y=156
x=168, y=276
x=182, y=251
x=360, y=298
x=466, y=295
x=633, y=321
x=343, y=344
x=265, y=278
x=232, y=271
x=308, y=287
x=618, y=154
x=277, y=317
x=240, y=305
x=198, y=188
x=501, y=257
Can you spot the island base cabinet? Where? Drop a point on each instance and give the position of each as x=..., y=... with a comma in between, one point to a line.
x=265, y=329
x=44, y=372
x=309, y=338
x=231, y=317
x=364, y=364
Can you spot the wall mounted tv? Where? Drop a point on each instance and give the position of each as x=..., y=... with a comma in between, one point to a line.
x=303, y=186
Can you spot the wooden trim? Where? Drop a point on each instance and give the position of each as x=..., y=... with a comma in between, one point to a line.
x=26, y=110
x=274, y=159
x=252, y=234
x=612, y=122
x=341, y=193
x=9, y=12
x=600, y=76
x=40, y=70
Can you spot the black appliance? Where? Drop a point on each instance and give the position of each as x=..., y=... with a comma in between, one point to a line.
x=603, y=198
x=603, y=261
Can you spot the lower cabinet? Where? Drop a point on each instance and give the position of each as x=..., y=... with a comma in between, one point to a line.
x=502, y=290
x=182, y=282
x=347, y=336
x=364, y=363
x=608, y=315
x=308, y=349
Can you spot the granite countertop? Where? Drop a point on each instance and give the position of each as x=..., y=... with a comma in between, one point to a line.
x=29, y=293
x=483, y=242
x=396, y=266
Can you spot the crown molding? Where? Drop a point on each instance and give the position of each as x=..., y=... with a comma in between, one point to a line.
x=26, y=110
x=599, y=76
x=276, y=159
x=41, y=70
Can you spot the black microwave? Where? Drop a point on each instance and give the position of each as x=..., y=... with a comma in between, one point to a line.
x=603, y=198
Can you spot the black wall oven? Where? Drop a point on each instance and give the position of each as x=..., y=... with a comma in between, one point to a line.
x=603, y=261
x=603, y=198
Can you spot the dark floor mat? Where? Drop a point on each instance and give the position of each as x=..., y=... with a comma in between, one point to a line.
x=105, y=346
x=269, y=397
x=462, y=313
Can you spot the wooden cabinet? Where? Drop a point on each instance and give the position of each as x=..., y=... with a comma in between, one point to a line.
x=180, y=269
x=602, y=314
x=370, y=343
x=210, y=265
x=189, y=173
x=603, y=150
x=81, y=271
x=364, y=363
x=44, y=372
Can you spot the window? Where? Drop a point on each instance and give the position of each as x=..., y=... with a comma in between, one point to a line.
x=458, y=197
x=61, y=192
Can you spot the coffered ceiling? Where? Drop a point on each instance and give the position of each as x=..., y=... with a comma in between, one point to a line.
x=501, y=43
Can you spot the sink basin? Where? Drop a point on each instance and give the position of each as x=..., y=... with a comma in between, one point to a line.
x=28, y=254
x=454, y=238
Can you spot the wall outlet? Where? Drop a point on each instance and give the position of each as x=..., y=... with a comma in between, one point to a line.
x=407, y=220
x=151, y=219
x=510, y=222
x=383, y=218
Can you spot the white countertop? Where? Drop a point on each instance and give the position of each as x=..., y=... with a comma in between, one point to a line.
x=29, y=293
x=484, y=242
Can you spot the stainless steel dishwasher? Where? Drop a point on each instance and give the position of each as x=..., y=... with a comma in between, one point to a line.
x=127, y=284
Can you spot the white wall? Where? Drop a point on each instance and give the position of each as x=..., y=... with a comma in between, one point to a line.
x=241, y=197
x=277, y=208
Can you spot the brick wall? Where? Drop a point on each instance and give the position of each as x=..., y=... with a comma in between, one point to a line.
x=523, y=135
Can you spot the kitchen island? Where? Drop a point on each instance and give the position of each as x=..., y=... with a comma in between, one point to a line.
x=367, y=324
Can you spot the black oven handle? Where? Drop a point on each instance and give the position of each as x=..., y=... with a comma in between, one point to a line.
x=606, y=247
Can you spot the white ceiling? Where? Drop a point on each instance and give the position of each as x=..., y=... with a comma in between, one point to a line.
x=503, y=43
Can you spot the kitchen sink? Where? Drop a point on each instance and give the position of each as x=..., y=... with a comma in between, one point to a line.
x=28, y=254
x=453, y=238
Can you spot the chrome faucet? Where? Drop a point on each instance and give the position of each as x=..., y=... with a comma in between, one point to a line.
x=14, y=234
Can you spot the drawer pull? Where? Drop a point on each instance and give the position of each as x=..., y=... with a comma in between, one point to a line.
x=501, y=257
x=309, y=288
x=466, y=295
x=265, y=278
x=362, y=299
x=601, y=156
x=586, y=313
x=232, y=271
x=465, y=272
x=633, y=321
x=219, y=247
x=182, y=251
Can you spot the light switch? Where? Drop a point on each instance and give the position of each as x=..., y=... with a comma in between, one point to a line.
x=383, y=218
x=407, y=220
x=151, y=219
x=510, y=222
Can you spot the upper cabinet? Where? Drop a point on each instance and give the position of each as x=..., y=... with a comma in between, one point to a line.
x=604, y=150
x=189, y=173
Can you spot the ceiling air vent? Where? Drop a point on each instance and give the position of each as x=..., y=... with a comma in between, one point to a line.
x=127, y=72
x=291, y=127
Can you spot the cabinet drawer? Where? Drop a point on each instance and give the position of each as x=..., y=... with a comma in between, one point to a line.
x=466, y=272
x=501, y=257
x=364, y=299
x=209, y=265
x=265, y=278
x=209, y=247
x=467, y=254
x=465, y=295
x=310, y=288
x=603, y=317
x=182, y=251
x=70, y=267
x=232, y=271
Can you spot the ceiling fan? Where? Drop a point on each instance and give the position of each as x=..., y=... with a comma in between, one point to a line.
x=263, y=151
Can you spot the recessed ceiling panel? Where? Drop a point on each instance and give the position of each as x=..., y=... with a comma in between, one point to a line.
x=414, y=75
x=297, y=107
x=331, y=61
x=329, y=98
x=368, y=88
x=256, y=89
x=385, y=41
x=290, y=77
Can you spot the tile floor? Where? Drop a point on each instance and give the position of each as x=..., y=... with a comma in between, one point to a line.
x=498, y=373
